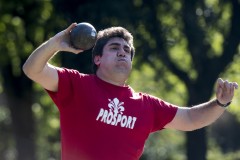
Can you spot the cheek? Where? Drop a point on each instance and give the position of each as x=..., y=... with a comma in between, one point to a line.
x=130, y=62
x=107, y=59
x=130, y=58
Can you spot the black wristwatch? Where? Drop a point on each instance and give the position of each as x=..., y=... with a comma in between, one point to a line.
x=223, y=105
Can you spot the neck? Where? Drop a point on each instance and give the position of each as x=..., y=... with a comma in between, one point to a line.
x=119, y=80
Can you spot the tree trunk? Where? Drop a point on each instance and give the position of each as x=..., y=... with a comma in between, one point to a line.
x=19, y=100
x=196, y=145
x=22, y=121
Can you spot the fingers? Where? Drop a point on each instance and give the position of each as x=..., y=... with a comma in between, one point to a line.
x=64, y=40
x=72, y=49
x=220, y=86
x=64, y=34
x=70, y=27
x=227, y=85
x=225, y=90
x=235, y=85
x=230, y=86
x=220, y=83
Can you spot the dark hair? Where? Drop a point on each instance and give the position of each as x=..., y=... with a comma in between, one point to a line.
x=105, y=35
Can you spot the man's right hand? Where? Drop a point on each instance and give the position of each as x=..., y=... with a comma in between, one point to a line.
x=37, y=67
x=61, y=41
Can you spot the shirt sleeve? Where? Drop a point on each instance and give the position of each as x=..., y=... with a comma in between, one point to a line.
x=65, y=86
x=164, y=113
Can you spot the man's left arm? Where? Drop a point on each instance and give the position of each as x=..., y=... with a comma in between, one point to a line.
x=188, y=119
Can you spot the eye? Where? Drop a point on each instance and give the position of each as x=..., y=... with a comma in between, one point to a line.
x=114, y=48
x=127, y=50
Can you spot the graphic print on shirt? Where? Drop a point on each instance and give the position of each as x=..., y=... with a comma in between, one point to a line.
x=114, y=116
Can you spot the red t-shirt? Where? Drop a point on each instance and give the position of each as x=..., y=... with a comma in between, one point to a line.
x=101, y=121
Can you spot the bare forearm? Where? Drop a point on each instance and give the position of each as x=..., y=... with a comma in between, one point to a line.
x=37, y=68
x=205, y=114
x=188, y=119
x=39, y=58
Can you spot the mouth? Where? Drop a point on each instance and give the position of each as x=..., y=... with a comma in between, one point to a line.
x=122, y=60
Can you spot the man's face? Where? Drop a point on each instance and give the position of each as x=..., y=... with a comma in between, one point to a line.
x=116, y=57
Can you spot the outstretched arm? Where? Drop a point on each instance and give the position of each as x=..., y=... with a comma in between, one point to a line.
x=37, y=67
x=188, y=119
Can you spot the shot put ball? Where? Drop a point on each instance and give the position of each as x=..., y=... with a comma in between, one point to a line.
x=83, y=36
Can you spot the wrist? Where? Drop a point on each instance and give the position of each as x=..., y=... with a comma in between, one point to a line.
x=52, y=45
x=223, y=105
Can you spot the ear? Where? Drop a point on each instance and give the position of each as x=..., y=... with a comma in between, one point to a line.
x=97, y=60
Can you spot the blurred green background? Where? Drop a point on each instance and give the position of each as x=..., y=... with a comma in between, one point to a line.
x=182, y=47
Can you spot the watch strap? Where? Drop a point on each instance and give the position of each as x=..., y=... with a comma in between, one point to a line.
x=223, y=105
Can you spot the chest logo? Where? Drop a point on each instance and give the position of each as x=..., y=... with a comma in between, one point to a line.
x=114, y=115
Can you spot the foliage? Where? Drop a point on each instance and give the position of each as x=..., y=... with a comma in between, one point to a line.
x=167, y=87
x=165, y=145
x=233, y=74
x=216, y=153
x=170, y=58
x=23, y=26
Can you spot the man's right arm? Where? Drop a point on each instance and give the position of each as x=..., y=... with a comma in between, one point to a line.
x=39, y=70
x=37, y=67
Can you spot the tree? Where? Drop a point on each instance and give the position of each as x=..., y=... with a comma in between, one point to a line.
x=195, y=40
x=21, y=30
x=201, y=23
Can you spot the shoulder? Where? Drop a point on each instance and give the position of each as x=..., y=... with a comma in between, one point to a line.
x=69, y=77
x=149, y=97
x=157, y=102
x=68, y=71
x=72, y=73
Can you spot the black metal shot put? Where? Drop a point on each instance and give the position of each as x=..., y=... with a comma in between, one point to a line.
x=83, y=36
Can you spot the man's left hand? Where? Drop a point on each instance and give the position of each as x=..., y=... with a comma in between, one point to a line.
x=225, y=91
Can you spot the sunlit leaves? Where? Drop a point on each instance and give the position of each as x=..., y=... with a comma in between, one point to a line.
x=161, y=145
x=146, y=35
x=47, y=10
x=161, y=84
x=216, y=41
x=27, y=23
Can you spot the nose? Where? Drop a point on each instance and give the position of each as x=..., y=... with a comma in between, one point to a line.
x=121, y=53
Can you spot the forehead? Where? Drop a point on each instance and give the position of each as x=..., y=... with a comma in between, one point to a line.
x=117, y=40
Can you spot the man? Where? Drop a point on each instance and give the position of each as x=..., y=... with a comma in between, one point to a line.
x=101, y=117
